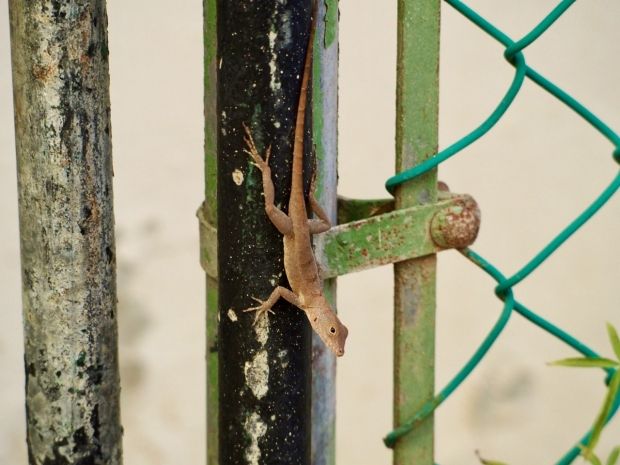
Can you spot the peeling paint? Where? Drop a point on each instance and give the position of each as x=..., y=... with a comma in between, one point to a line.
x=257, y=370
x=279, y=37
x=275, y=279
x=238, y=177
x=283, y=357
x=286, y=32
x=274, y=82
x=256, y=429
x=257, y=374
x=261, y=328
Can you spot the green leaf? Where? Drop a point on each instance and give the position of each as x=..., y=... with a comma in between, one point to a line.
x=590, y=456
x=613, y=457
x=488, y=462
x=593, y=459
x=582, y=362
x=614, y=339
x=601, y=419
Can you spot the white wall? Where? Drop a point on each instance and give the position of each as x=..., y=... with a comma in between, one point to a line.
x=531, y=175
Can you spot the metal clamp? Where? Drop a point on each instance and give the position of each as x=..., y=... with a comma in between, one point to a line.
x=372, y=233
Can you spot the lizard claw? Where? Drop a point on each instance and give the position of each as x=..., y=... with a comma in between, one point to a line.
x=252, y=151
x=267, y=155
x=259, y=309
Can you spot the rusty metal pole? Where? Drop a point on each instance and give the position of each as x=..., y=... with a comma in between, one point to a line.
x=63, y=141
x=414, y=280
x=264, y=373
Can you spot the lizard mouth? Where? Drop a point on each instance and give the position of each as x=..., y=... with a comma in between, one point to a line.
x=336, y=348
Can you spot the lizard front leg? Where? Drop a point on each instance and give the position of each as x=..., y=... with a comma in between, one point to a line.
x=265, y=305
x=279, y=219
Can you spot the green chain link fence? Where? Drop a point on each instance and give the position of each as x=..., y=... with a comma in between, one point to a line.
x=504, y=290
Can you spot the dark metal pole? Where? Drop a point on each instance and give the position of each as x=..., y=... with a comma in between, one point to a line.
x=63, y=141
x=264, y=370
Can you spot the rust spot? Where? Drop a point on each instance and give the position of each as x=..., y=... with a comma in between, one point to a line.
x=442, y=186
x=456, y=226
x=41, y=72
x=85, y=60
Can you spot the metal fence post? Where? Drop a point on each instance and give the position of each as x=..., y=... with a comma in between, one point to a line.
x=209, y=213
x=264, y=374
x=62, y=125
x=325, y=138
x=414, y=280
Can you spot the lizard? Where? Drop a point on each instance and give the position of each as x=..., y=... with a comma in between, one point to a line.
x=297, y=229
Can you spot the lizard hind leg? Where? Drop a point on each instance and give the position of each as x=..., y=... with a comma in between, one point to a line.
x=279, y=219
x=251, y=150
x=265, y=305
x=260, y=309
x=322, y=223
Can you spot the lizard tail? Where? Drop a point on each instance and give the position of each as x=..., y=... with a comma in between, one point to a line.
x=300, y=122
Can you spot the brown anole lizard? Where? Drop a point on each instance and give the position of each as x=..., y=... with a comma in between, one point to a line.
x=300, y=265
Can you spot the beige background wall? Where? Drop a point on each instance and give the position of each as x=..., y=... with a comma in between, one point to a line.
x=531, y=175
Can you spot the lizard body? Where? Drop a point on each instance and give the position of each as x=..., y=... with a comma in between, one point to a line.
x=300, y=264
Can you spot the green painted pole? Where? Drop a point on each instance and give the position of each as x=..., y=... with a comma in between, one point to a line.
x=414, y=280
x=209, y=212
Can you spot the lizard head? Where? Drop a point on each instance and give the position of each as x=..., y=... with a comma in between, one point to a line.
x=329, y=328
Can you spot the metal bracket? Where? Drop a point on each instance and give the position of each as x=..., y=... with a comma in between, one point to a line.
x=374, y=234
x=208, y=243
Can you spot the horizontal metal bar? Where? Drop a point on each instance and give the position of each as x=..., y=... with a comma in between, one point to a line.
x=385, y=238
x=396, y=236
x=359, y=209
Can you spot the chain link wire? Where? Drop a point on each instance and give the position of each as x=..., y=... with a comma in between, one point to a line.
x=504, y=289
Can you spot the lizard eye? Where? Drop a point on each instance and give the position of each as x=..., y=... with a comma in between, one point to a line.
x=332, y=330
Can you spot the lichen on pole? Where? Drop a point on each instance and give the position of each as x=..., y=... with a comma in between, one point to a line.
x=63, y=144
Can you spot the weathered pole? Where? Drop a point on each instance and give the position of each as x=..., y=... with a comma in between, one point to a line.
x=325, y=141
x=208, y=215
x=324, y=138
x=414, y=280
x=264, y=369
x=63, y=142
